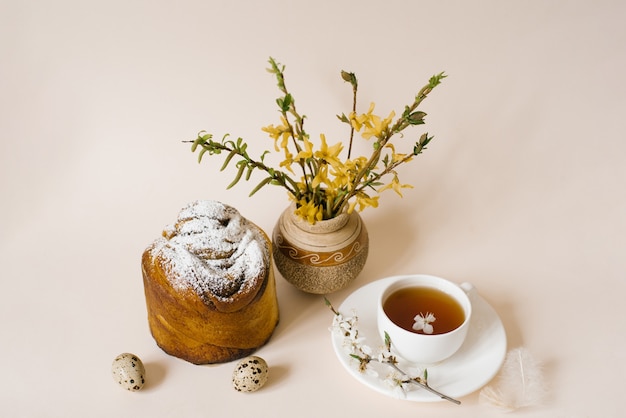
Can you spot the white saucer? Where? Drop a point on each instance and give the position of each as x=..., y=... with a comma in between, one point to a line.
x=478, y=360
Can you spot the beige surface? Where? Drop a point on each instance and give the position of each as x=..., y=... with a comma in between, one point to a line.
x=521, y=192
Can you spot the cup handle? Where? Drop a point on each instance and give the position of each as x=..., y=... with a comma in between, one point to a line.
x=468, y=288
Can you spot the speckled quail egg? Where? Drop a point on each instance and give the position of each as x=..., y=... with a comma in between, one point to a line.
x=250, y=374
x=128, y=371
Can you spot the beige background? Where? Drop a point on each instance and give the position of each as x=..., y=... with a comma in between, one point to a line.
x=521, y=192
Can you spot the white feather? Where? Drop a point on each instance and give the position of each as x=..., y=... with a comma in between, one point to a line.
x=520, y=383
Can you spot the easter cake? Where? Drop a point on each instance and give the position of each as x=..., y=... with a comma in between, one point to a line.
x=209, y=285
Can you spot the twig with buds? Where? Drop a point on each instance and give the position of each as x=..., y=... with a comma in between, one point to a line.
x=359, y=351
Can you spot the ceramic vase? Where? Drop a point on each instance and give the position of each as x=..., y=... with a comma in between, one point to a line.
x=320, y=258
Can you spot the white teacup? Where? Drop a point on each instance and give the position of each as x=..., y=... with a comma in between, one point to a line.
x=420, y=346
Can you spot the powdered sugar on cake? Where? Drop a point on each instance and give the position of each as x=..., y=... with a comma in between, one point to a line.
x=213, y=250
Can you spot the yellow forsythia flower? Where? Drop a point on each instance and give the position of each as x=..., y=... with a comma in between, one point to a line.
x=329, y=154
x=375, y=126
x=307, y=152
x=321, y=177
x=396, y=186
x=363, y=200
x=275, y=132
x=287, y=161
x=357, y=121
x=397, y=157
x=309, y=211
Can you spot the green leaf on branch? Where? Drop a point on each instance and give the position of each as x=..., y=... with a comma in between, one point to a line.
x=228, y=159
x=425, y=139
x=436, y=80
x=259, y=186
x=242, y=166
x=416, y=118
x=343, y=118
x=386, y=160
x=285, y=102
x=249, y=172
x=349, y=77
x=201, y=153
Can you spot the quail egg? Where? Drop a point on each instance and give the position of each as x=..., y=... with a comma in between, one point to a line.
x=250, y=374
x=128, y=371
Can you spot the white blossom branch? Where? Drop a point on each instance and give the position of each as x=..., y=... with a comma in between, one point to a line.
x=347, y=328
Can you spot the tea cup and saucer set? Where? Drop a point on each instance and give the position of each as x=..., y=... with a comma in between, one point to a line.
x=433, y=324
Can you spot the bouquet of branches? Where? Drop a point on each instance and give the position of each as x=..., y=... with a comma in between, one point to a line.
x=326, y=180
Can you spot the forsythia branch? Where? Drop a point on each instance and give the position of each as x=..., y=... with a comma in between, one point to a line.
x=327, y=184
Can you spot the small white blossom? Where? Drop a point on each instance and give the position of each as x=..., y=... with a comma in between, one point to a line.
x=367, y=350
x=385, y=356
x=422, y=322
x=336, y=325
x=396, y=382
x=346, y=328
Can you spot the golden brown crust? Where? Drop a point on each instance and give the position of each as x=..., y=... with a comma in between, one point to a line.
x=190, y=323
